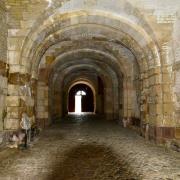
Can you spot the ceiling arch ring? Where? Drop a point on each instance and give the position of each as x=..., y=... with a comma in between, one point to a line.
x=61, y=18
x=111, y=27
x=51, y=43
x=53, y=10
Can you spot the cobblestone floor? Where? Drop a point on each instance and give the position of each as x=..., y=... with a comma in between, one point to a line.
x=84, y=148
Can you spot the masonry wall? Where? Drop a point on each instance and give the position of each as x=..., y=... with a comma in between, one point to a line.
x=161, y=109
x=3, y=64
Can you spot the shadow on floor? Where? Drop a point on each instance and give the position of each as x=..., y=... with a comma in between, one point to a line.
x=91, y=162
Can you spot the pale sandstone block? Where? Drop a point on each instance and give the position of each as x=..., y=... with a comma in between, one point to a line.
x=40, y=108
x=13, y=57
x=168, y=108
x=2, y=101
x=12, y=101
x=166, y=78
x=40, y=94
x=13, y=114
x=40, y=102
x=11, y=124
x=167, y=97
x=42, y=115
x=15, y=44
x=3, y=81
x=17, y=32
x=13, y=90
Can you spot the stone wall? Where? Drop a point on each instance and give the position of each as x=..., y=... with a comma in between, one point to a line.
x=3, y=63
x=148, y=30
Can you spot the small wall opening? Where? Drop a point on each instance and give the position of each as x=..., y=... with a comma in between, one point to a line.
x=81, y=99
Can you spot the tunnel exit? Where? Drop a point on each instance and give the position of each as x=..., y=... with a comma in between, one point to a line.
x=78, y=101
x=81, y=99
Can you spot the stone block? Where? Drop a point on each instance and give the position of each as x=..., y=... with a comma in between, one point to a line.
x=165, y=132
x=46, y=94
x=152, y=132
x=40, y=94
x=166, y=78
x=13, y=90
x=16, y=68
x=2, y=101
x=166, y=88
x=40, y=109
x=17, y=33
x=3, y=83
x=40, y=102
x=46, y=102
x=43, y=74
x=12, y=101
x=30, y=111
x=168, y=108
x=18, y=78
x=49, y=60
x=177, y=133
x=41, y=122
x=15, y=44
x=27, y=101
x=3, y=71
x=27, y=24
x=13, y=57
x=13, y=113
x=157, y=79
x=11, y=124
x=167, y=97
x=42, y=115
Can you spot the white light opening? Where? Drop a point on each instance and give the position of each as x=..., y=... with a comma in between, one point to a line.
x=78, y=102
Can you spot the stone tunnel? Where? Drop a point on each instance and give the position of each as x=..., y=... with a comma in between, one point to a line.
x=85, y=65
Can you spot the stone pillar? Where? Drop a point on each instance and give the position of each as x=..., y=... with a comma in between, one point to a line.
x=108, y=103
x=42, y=113
x=19, y=100
x=3, y=94
x=165, y=129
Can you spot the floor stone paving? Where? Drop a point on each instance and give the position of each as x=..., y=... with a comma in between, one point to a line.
x=89, y=148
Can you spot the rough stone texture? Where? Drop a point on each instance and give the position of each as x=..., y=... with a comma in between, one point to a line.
x=3, y=64
x=93, y=149
x=3, y=32
x=131, y=45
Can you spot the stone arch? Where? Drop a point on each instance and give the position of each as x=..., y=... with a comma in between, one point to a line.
x=136, y=37
x=88, y=66
x=89, y=84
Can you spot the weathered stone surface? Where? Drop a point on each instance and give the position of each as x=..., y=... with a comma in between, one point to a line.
x=177, y=133
x=13, y=90
x=13, y=101
x=11, y=124
x=3, y=68
x=18, y=79
x=132, y=62
x=13, y=113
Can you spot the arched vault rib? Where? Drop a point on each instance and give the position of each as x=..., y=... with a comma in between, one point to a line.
x=49, y=29
x=124, y=40
x=119, y=55
x=123, y=9
x=127, y=44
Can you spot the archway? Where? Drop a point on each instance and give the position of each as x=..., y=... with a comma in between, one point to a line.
x=81, y=99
